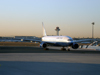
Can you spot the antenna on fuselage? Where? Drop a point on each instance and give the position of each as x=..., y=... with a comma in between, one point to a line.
x=44, y=31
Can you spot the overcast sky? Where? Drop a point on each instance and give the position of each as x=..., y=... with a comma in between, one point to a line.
x=25, y=17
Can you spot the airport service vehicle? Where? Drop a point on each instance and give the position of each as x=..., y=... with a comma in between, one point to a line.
x=62, y=41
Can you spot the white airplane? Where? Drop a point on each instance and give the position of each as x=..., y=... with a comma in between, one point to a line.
x=62, y=41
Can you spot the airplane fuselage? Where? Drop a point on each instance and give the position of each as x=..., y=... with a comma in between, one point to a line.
x=58, y=40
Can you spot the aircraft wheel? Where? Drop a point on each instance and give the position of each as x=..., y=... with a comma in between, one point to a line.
x=68, y=49
x=63, y=49
x=46, y=48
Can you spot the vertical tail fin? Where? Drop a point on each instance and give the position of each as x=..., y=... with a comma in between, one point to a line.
x=44, y=31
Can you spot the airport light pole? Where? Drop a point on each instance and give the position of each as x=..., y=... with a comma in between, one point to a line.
x=93, y=31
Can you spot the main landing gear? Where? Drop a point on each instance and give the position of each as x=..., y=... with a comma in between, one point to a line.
x=46, y=48
x=68, y=49
x=64, y=49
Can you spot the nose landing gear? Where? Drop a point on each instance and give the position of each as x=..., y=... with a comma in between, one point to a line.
x=64, y=49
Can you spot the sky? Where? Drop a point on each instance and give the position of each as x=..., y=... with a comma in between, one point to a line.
x=73, y=17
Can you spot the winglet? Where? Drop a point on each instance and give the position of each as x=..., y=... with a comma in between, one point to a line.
x=44, y=31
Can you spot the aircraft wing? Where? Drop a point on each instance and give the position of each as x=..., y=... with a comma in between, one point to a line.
x=81, y=40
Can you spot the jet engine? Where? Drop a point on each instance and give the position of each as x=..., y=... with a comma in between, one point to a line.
x=75, y=46
x=44, y=45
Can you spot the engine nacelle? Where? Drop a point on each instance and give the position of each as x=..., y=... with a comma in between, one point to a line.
x=75, y=46
x=44, y=45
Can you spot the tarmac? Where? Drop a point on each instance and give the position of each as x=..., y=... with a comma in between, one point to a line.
x=36, y=61
x=36, y=49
